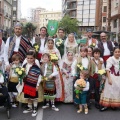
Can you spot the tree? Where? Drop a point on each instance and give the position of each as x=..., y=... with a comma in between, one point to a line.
x=69, y=25
x=29, y=29
x=109, y=15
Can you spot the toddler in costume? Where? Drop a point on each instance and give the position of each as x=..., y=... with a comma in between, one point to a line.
x=81, y=87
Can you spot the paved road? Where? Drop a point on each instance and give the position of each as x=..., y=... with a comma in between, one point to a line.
x=67, y=112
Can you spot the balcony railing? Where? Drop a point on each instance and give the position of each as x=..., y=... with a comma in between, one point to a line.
x=1, y=11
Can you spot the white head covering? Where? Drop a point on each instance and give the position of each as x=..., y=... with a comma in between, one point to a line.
x=68, y=44
x=54, y=50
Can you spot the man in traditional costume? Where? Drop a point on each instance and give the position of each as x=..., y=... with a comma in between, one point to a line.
x=40, y=41
x=106, y=47
x=16, y=44
x=61, y=36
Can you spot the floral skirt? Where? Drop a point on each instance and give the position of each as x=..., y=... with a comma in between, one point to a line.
x=111, y=93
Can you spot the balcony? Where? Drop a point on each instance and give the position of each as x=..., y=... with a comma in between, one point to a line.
x=1, y=11
x=71, y=6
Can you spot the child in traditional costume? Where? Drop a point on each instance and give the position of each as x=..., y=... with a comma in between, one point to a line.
x=50, y=48
x=13, y=79
x=81, y=87
x=82, y=62
x=111, y=93
x=49, y=73
x=31, y=83
x=67, y=77
x=97, y=64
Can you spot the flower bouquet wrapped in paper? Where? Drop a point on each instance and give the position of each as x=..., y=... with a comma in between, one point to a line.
x=81, y=83
x=21, y=73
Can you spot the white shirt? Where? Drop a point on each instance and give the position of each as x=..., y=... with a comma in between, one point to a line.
x=85, y=63
x=36, y=61
x=55, y=72
x=6, y=48
x=106, y=50
x=2, y=51
x=42, y=47
x=96, y=68
x=27, y=70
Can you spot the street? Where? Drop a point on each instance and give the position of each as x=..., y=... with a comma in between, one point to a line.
x=67, y=112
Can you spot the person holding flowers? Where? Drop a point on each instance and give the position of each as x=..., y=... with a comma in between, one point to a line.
x=81, y=87
x=51, y=49
x=71, y=45
x=31, y=83
x=97, y=74
x=67, y=77
x=82, y=62
x=49, y=73
x=59, y=42
x=14, y=79
x=111, y=93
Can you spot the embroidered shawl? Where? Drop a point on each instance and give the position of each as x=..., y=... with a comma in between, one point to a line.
x=24, y=46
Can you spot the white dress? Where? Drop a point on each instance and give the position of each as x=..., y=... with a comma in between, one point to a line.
x=111, y=94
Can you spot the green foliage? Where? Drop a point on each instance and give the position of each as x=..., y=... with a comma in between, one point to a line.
x=69, y=25
x=29, y=29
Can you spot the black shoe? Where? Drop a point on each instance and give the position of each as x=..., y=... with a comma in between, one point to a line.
x=103, y=108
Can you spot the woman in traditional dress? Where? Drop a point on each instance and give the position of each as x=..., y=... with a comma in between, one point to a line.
x=71, y=45
x=51, y=49
x=67, y=77
x=111, y=94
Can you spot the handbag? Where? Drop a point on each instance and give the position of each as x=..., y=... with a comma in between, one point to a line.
x=49, y=85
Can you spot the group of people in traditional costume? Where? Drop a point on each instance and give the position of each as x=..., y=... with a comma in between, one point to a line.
x=49, y=81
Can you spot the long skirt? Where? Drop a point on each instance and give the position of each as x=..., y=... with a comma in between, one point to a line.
x=68, y=89
x=111, y=93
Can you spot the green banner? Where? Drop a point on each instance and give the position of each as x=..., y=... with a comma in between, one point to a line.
x=82, y=41
x=52, y=27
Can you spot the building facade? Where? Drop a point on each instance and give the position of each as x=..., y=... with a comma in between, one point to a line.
x=49, y=15
x=1, y=16
x=115, y=18
x=104, y=15
x=7, y=17
x=16, y=11
x=86, y=11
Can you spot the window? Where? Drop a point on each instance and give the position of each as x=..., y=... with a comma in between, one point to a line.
x=80, y=12
x=92, y=20
x=115, y=23
x=93, y=2
x=85, y=11
x=92, y=11
x=86, y=2
x=104, y=19
x=85, y=20
x=105, y=9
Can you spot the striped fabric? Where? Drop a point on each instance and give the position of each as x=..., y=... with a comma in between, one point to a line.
x=25, y=45
x=31, y=80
